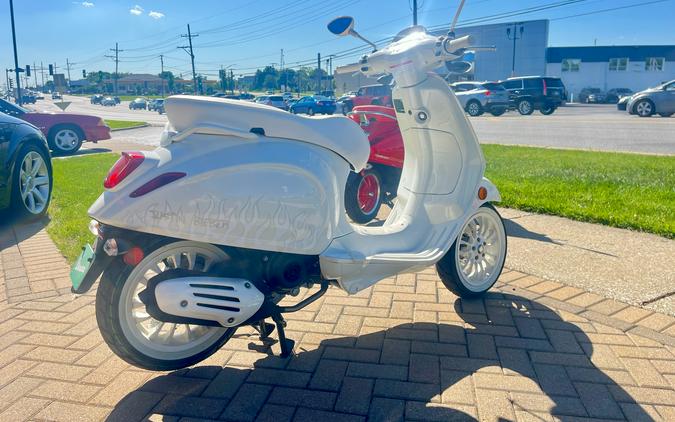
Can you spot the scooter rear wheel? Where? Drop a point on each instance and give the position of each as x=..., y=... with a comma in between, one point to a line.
x=140, y=339
x=363, y=195
x=476, y=259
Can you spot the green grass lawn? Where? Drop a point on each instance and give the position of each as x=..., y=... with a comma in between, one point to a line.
x=621, y=190
x=78, y=182
x=123, y=124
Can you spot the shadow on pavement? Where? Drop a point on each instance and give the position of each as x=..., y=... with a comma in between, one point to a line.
x=422, y=363
x=516, y=230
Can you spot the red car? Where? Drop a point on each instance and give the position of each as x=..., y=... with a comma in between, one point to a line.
x=65, y=132
x=366, y=95
x=378, y=183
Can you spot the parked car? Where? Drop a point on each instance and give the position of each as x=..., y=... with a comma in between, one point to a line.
x=117, y=100
x=153, y=104
x=287, y=95
x=39, y=96
x=246, y=96
x=597, y=98
x=291, y=101
x=586, y=92
x=57, y=95
x=96, y=99
x=480, y=97
x=108, y=102
x=159, y=107
x=269, y=92
x=615, y=94
x=313, y=105
x=65, y=132
x=658, y=100
x=25, y=168
x=28, y=98
x=138, y=103
x=529, y=93
x=261, y=98
x=377, y=94
x=275, y=101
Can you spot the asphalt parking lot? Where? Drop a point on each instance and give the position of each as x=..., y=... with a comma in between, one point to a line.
x=579, y=126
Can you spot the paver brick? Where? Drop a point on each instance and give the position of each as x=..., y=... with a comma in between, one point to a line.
x=247, y=402
x=275, y=413
x=23, y=409
x=60, y=411
x=645, y=373
x=312, y=415
x=657, y=322
x=65, y=391
x=355, y=396
x=386, y=410
x=407, y=390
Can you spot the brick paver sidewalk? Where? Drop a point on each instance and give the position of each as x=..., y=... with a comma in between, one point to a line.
x=532, y=350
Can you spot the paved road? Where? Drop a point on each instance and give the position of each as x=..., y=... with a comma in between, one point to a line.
x=596, y=127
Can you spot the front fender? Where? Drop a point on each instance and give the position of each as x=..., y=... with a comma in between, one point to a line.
x=492, y=192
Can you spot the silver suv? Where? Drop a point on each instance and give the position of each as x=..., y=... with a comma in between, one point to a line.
x=480, y=97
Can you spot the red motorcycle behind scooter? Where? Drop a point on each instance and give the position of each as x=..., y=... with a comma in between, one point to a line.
x=367, y=190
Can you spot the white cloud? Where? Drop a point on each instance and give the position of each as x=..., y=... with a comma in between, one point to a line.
x=136, y=10
x=156, y=15
x=87, y=4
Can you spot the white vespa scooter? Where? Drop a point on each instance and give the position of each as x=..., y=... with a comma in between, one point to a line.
x=242, y=205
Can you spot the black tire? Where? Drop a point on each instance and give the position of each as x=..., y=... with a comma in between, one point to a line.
x=449, y=273
x=352, y=206
x=474, y=108
x=498, y=111
x=17, y=203
x=107, y=317
x=346, y=108
x=666, y=114
x=310, y=111
x=644, y=108
x=547, y=109
x=58, y=147
x=525, y=107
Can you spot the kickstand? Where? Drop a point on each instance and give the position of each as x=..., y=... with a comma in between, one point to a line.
x=285, y=343
x=264, y=329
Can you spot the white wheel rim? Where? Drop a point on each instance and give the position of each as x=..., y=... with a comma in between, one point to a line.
x=160, y=340
x=34, y=183
x=644, y=108
x=525, y=107
x=473, y=109
x=66, y=139
x=481, y=250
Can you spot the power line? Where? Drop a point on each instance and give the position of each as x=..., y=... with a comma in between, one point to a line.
x=610, y=9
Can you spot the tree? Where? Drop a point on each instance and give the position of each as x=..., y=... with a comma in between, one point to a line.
x=169, y=78
x=270, y=82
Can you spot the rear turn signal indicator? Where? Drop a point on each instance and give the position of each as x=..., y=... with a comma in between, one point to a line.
x=157, y=183
x=128, y=162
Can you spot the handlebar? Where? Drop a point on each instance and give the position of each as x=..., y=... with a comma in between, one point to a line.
x=350, y=68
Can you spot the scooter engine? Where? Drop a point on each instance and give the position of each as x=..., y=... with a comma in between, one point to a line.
x=183, y=297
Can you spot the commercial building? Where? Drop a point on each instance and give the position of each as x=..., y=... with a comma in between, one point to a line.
x=634, y=67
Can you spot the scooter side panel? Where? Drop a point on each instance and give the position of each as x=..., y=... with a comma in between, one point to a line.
x=270, y=194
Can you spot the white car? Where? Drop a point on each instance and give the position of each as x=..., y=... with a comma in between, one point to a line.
x=480, y=97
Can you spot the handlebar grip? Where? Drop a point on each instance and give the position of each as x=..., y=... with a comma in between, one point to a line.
x=458, y=43
x=350, y=68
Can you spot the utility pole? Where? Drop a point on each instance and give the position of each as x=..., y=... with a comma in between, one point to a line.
x=35, y=75
x=68, y=65
x=414, y=12
x=161, y=74
x=515, y=37
x=281, y=65
x=116, y=57
x=190, y=52
x=42, y=75
x=232, y=81
x=16, y=56
x=318, y=71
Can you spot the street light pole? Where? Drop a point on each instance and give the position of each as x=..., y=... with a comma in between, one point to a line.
x=16, y=56
x=515, y=37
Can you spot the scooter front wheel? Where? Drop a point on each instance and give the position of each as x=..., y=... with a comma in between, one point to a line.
x=137, y=337
x=476, y=259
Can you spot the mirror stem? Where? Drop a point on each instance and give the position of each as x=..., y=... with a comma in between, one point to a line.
x=357, y=35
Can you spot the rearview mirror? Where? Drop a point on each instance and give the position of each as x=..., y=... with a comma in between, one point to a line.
x=458, y=67
x=341, y=25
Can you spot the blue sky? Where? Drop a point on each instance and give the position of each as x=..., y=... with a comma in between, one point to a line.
x=246, y=34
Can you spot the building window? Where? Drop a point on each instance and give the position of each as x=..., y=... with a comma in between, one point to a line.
x=618, y=65
x=654, y=64
x=571, y=65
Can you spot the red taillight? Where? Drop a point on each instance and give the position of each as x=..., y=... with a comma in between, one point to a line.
x=157, y=183
x=487, y=93
x=128, y=162
x=544, y=80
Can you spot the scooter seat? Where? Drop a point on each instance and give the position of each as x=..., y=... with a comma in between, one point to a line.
x=336, y=133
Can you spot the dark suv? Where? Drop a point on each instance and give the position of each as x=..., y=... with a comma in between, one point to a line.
x=529, y=93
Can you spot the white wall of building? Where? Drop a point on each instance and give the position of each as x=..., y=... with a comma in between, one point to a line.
x=598, y=75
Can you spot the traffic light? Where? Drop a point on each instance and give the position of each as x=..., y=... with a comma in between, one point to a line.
x=51, y=70
x=27, y=70
x=84, y=74
x=11, y=84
